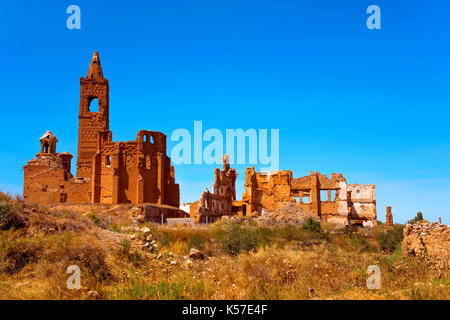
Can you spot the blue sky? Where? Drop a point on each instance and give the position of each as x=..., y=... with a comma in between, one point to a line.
x=372, y=104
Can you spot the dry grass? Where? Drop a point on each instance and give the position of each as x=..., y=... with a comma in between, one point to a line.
x=243, y=262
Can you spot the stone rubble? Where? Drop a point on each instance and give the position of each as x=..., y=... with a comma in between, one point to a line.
x=430, y=240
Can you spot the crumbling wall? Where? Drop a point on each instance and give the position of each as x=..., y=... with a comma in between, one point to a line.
x=43, y=181
x=47, y=181
x=363, y=203
x=267, y=190
x=432, y=240
x=155, y=213
x=273, y=190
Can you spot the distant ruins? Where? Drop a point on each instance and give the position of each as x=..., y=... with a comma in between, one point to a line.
x=332, y=200
x=222, y=201
x=107, y=172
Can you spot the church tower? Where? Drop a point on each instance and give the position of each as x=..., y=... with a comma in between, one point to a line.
x=94, y=90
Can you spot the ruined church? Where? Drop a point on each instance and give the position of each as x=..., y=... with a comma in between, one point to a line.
x=107, y=171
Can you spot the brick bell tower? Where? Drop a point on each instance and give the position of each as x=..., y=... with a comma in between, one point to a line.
x=91, y=122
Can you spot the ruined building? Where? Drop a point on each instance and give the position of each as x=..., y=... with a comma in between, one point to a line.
x=222, y=201
x=107, y=172
x=330, y=199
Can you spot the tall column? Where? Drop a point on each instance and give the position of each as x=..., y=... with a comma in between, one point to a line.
x=389, y=217
x=315, y=193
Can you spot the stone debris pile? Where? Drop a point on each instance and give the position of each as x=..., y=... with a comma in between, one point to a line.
x=290, y=214
x=431, y=240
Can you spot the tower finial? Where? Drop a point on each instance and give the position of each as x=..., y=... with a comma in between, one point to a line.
x=95, y=68
x=226, y=162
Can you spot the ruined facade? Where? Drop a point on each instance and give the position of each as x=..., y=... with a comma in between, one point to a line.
x=222, y=200
x=330, y=199
x=107, y=172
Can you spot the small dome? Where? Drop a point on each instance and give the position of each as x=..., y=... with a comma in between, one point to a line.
x=48, y=136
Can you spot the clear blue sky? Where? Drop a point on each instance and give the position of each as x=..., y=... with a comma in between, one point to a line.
x=372, y=104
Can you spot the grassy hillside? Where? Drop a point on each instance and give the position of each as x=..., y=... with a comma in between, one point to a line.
x=242, y=261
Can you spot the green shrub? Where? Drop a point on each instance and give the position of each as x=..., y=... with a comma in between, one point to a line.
x=290, y=233
x=391, y=240
x=419, y=217
x=312, y=225
x=132, y=256
x=99, y=222
x=114, y=227
x=233, y=238
x=196, y=241
x=359, y=242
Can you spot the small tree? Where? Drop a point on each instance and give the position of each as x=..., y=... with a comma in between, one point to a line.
x=392, y=240
x=419, y=217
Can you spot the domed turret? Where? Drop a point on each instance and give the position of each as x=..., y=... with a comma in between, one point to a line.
x=48, y=144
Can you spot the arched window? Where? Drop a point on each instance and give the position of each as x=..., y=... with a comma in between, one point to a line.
x=149, y=138
x=108, y=161
x=94, y=105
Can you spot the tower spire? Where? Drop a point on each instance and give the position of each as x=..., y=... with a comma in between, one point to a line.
x=95, y=68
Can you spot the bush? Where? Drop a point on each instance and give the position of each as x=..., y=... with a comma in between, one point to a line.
x=391, y=240
x=233, y=239
x=114, y=227
x=99, y=222
x=312, y=225
x=359, y=242
x=132, y=256
x=9, y=218
x=419, y=217
x=196, y=241
x=14, y=256
x=91, y=258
